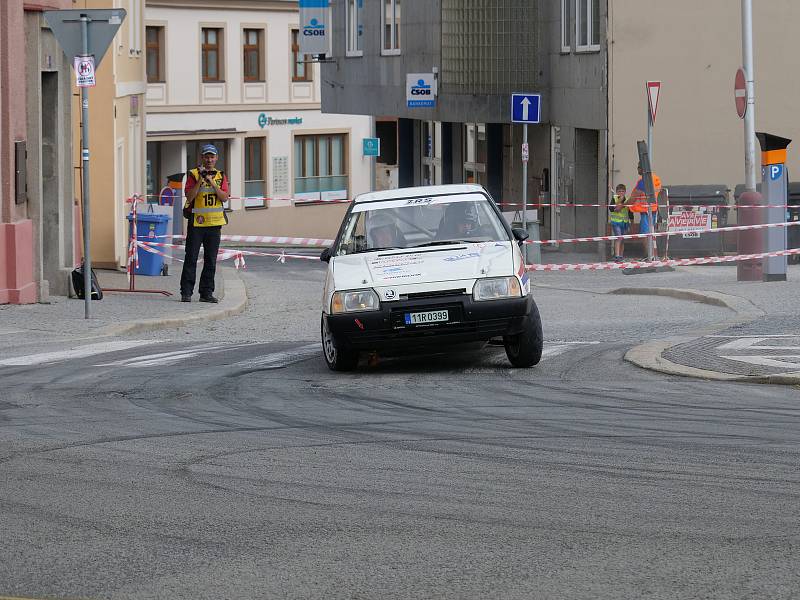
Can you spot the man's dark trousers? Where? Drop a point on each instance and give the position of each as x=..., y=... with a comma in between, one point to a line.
x=208, y=238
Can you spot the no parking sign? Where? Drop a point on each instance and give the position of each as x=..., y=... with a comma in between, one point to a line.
x=84, y=71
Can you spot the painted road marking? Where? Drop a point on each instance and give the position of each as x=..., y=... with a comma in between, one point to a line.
x=168, y=358
x=72, y=353
x=277, y=360
x=499, y=362
x=769, y=361
x=754, y=343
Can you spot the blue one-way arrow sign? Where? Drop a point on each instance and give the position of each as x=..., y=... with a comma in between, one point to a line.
x=525, y=108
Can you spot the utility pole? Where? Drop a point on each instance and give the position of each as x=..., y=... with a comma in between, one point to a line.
x=750, y=112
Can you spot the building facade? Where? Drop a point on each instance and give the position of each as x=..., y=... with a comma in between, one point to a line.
x=116, y=134
x=476, y=54
x=37, y=206
x=235, y=78
x=589, y=60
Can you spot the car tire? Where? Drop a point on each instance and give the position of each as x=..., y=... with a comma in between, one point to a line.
x=336, y=357
x=525, y=349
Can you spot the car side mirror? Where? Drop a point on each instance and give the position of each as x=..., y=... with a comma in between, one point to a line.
x=326, y=255
x=519, y=234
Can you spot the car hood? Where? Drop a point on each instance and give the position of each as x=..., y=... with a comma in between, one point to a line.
x=424, y=265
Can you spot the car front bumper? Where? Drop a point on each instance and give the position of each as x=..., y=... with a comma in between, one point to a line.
x=469, y=321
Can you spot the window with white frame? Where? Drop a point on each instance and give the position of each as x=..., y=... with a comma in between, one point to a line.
x=355, y=27
x=390, y=32
x=566, y=45
x=587, y=25
x=254, y=177
x=475, y=153
x=320, y=166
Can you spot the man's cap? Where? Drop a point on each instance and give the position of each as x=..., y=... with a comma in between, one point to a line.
x=209, y=149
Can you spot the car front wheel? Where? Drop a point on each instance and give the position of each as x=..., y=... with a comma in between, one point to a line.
x=525, y=349
x=336, y=357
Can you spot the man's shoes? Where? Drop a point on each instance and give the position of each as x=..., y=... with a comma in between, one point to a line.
x=210, y=299
x=186, y=298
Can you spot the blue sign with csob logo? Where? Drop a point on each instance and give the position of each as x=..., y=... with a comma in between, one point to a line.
x=526, y=108
x=420, y=90
x=313, y=22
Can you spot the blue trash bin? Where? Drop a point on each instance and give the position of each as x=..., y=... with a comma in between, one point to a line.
x=149, y=226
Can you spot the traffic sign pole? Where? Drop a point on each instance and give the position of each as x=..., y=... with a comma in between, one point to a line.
x=87, y=256
x=71, y=29
x=525, y=180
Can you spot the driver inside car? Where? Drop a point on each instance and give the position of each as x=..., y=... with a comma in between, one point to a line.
x=460, y=221
x=383, y=232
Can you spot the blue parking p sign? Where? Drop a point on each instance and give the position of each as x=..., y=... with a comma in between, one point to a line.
x=526, y=108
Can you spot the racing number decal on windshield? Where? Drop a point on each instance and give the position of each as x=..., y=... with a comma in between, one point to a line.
x=419, y=201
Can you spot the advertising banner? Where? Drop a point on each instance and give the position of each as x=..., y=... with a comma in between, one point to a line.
x=691, y=220
x=314, y=27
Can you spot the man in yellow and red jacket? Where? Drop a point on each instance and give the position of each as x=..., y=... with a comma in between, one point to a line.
x=206, y=189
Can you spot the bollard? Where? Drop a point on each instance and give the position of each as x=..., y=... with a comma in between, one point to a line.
x=750, y=241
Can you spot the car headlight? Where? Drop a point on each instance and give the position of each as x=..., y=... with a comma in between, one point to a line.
x=496, y=288
x=354, y=301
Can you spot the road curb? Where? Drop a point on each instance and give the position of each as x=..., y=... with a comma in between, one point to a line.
x=234, y=302
x=649, y=355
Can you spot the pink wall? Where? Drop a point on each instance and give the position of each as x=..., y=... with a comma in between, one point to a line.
x=17, y=284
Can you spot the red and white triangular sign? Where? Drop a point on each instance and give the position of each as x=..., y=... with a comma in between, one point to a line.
x=653, y=89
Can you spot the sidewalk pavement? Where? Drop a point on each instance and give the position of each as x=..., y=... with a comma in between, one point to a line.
x=759, y=343
x=120, y=312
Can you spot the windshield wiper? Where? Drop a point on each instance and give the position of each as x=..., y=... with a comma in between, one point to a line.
x=443, y=243
x=376, y=249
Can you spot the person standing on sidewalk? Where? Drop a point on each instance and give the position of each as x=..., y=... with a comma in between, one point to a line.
x=206, y=189
x=619, y=216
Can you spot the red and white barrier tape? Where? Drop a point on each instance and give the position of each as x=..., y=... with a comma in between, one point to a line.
x=225, y=253
x=681, y=262
x=671, y=205
x=289, y=241
x=639, y=236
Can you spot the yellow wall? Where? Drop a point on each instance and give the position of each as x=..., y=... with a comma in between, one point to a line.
x=694, y=49
x=112, y=180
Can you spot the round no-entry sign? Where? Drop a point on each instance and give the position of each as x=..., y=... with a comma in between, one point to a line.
x=740, y=93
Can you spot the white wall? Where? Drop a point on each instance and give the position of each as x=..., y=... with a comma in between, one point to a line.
x=186, y=105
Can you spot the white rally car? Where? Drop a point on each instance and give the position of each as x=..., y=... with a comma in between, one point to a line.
x=425, y=267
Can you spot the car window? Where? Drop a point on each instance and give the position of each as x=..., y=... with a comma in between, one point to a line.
x=388, y=225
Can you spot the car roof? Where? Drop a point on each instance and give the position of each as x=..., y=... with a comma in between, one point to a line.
x=421, y=191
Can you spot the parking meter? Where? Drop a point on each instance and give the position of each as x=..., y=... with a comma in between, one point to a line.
x=774, y=189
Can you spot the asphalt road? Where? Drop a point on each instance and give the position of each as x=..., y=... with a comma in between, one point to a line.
x=228, y=462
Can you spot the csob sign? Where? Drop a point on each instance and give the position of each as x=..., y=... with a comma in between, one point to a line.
x=420, y=90
x=84, y=71
x=314, y=25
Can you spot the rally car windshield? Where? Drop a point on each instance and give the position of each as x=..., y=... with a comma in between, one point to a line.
x=416, y=223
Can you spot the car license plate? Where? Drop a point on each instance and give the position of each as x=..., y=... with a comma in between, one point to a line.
x=432, y=316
